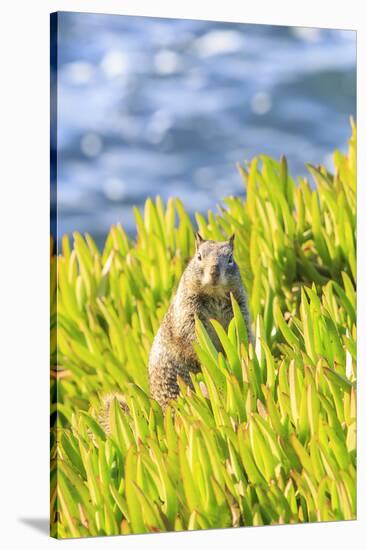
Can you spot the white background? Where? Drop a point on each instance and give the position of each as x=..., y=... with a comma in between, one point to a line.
x=24, y=245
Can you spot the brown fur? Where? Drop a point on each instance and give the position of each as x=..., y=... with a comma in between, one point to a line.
x=204, y=290
x=104, y=411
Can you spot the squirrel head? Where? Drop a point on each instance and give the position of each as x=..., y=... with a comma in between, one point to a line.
x=213, y=265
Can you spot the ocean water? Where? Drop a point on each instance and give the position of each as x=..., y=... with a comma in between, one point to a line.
x=150, y=106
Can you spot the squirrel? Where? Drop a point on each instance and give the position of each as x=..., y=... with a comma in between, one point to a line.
x=203, y=291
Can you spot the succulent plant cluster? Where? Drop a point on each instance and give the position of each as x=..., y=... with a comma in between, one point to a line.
x=269, y=434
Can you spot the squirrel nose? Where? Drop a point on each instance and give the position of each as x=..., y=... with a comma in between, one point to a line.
x=214, y=272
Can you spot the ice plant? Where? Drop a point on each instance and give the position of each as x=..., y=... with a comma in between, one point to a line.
x=269, y=434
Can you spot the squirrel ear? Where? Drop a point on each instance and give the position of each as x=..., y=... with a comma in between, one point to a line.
x=231, y=240
x=199, y=240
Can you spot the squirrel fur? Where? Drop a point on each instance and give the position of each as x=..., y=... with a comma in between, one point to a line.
x=203, y=291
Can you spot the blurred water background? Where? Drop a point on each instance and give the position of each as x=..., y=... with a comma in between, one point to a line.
x=151, y=106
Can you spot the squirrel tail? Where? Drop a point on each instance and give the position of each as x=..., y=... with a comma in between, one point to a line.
x=104, y=410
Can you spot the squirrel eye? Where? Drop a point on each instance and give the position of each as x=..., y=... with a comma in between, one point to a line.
x=230, y=260
x=199, y=257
